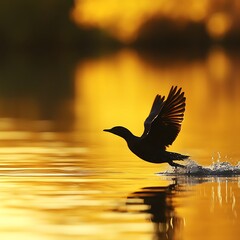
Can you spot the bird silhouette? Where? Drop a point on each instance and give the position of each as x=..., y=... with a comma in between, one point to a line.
x=161, y=128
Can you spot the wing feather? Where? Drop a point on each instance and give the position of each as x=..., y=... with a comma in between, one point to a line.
x=155, y=110
x=164, y=121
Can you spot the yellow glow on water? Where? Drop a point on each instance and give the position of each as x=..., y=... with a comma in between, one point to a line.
x=219, y=65
x=222, y=204
x=119, y=90
x=78, y=182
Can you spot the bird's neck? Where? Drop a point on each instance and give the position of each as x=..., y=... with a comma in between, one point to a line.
x=129, y=137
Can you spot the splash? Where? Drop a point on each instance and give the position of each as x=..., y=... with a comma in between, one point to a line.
x=218, y=168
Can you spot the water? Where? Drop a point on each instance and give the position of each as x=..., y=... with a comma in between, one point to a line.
x=63, y=178
x=218, y=168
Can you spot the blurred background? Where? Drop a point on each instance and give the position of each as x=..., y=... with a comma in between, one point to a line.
x=76, y=67
x=69, y=69
x=105, y=23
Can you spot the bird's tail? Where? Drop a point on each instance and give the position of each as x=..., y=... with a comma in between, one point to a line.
x=183, y=157
x=177, y=156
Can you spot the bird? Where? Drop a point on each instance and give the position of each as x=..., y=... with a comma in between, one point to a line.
x=161, y=128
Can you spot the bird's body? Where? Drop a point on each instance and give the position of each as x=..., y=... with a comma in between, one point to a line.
x=161, y=128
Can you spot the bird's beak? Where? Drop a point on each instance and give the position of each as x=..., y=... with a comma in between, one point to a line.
x=106, y=130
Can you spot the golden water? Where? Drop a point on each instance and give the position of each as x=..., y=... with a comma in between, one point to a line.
x=62, y=177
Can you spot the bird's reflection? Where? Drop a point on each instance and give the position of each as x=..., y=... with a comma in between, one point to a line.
x=161, y=207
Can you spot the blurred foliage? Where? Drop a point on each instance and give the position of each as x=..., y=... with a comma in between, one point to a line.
x=28, y=24
x=163, y=23
x=93, y=26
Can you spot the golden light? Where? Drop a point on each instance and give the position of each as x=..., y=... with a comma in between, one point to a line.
x=198, y=11
x=123, y=19
x=218, y=65
x=119, y=89
x=219, y=24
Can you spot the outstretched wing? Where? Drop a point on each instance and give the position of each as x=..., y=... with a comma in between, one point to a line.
x=155, y=111
x=164, y=121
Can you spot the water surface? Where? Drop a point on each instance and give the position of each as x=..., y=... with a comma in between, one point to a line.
x=62, y=177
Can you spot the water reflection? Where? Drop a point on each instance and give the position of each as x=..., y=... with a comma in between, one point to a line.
x=36, y=93
x=61, y=176
x=188, y=205
x=161, y=207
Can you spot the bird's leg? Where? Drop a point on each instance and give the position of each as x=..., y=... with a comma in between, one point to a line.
x=176, y=164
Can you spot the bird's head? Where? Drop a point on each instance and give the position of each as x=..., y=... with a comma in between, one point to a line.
x=119, y=131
